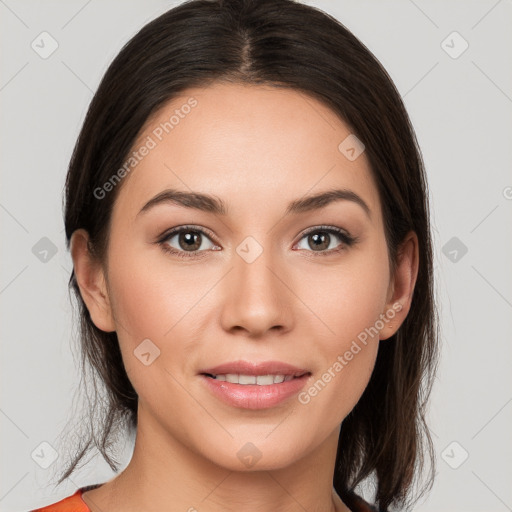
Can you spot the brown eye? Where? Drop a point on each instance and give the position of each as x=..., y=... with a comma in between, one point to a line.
x=189, y=240
x=183, y=240
x=319, y=241
x=322, y=240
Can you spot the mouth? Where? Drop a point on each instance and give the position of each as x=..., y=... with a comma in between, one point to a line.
x=258, y=380
x=245, y=371
x=255, y=386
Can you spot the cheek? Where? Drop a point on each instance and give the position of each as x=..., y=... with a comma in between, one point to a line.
x=151, y=295
x=159, y=300
x=349, y=300
x=351, y=296
x=336, y=391
x=348, y=358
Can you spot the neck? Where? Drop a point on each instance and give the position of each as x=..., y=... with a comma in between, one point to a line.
x=164, y=474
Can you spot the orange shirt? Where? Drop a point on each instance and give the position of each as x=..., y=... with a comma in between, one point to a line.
x=73, y=503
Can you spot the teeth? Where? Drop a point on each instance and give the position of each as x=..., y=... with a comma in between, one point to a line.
x=260, y=380
x=265, y=380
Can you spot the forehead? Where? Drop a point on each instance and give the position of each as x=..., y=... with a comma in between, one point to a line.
x=256, y=146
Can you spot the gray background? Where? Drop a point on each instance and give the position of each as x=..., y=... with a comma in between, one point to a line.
x=461, y=109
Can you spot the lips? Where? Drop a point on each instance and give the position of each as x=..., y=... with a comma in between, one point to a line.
x=255, y=369
x=255, y=385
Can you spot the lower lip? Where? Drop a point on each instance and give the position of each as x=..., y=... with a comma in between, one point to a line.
x=252, y=396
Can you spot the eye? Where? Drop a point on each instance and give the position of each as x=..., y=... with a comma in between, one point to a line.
x=320, y=239
x=186, y=241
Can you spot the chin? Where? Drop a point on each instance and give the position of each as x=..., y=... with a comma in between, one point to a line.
x=260, y=454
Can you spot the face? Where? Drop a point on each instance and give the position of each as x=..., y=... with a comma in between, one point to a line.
x=258, y=273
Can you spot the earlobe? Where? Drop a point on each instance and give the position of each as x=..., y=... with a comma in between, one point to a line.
x=91, y=281
x=402, y=285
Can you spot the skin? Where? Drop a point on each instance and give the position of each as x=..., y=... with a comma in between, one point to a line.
x=257, y=148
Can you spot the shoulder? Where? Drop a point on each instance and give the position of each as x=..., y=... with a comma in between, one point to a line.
x=72, y=503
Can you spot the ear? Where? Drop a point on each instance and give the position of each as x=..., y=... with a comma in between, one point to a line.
x=401, y=286
x=91, y=281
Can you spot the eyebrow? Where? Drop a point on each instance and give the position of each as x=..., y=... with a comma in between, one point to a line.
x=213, y=204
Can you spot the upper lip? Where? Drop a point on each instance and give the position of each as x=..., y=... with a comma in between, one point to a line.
x=263, y=368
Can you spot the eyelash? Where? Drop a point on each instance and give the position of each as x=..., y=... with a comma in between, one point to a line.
x=347, y=240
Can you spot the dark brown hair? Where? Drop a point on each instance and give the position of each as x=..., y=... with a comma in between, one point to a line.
x=281, y=43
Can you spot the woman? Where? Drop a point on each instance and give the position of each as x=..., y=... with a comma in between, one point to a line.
x=247, y=213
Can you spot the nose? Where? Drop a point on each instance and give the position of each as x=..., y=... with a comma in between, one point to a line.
x=255, y=297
